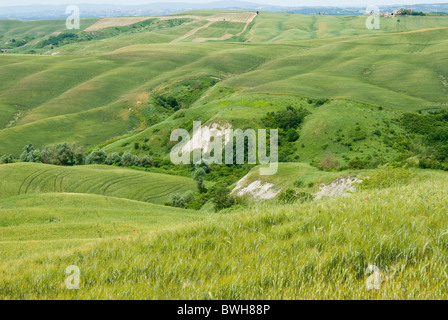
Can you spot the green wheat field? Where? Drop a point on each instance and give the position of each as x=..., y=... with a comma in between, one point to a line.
x=86, y=178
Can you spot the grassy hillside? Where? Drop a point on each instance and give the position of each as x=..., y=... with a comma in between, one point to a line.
x=268, y=252
x=29, y=178
x=15, y=29
x=37, y=224
x=273, y=27
x=347, y=101
x=101, y=89
x=299, y=175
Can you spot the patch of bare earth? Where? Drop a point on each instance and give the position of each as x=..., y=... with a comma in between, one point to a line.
x=245, y=17
x=342, y=186
x=257, y=189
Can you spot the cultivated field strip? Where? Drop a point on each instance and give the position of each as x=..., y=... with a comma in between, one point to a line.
x=28, y=178
x=245, y=17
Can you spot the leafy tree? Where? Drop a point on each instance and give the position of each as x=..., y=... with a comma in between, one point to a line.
x=78, y=153
x=127, y=159
x=29, y=148
x=404, y=12
x=188, y=196
x=48, y=155
x=198, y=175
x=6, y=159
x=442, y=153
x=176, y=200
x=113, y=159
x=30, y=154
x=222, y=198
x=61, y=39
x=97, y=156
x=285, y=119
x=146, y=161
x=64, y=155
x=292, y=135
x=357, y=164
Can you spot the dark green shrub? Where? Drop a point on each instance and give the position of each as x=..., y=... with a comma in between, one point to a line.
x=6, y=159
x=198, y=175
x=97, y=156
x=176, y=200
x=222, y=198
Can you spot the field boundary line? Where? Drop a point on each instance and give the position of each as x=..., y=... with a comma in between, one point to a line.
x=192, y=32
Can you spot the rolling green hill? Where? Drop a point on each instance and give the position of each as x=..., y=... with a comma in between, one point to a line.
x=15, y=29
x=29, y=178
x=274, y=27
x=267, y=252
x=35, y=224
x=104, y=88
x=359, y=99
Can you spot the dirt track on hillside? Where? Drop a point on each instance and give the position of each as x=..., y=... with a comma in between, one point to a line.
x=192, y=32
x=242, y=17
x=246, y=18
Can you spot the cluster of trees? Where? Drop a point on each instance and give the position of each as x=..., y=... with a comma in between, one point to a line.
x=182, y=94
x=289, y=118
x=126, y=159
x=180, y=201
x=7, y=159
x=422, y=141
x=64, y=154
x=409, y=12
x=219, y=195
x=65, y=38
x=428, y=137
x=15, y=43
x=61, y=39
x=287, y=122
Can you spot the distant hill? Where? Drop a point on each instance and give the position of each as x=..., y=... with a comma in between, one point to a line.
x=42, y=12
x=349, y=103
x=108, y=87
